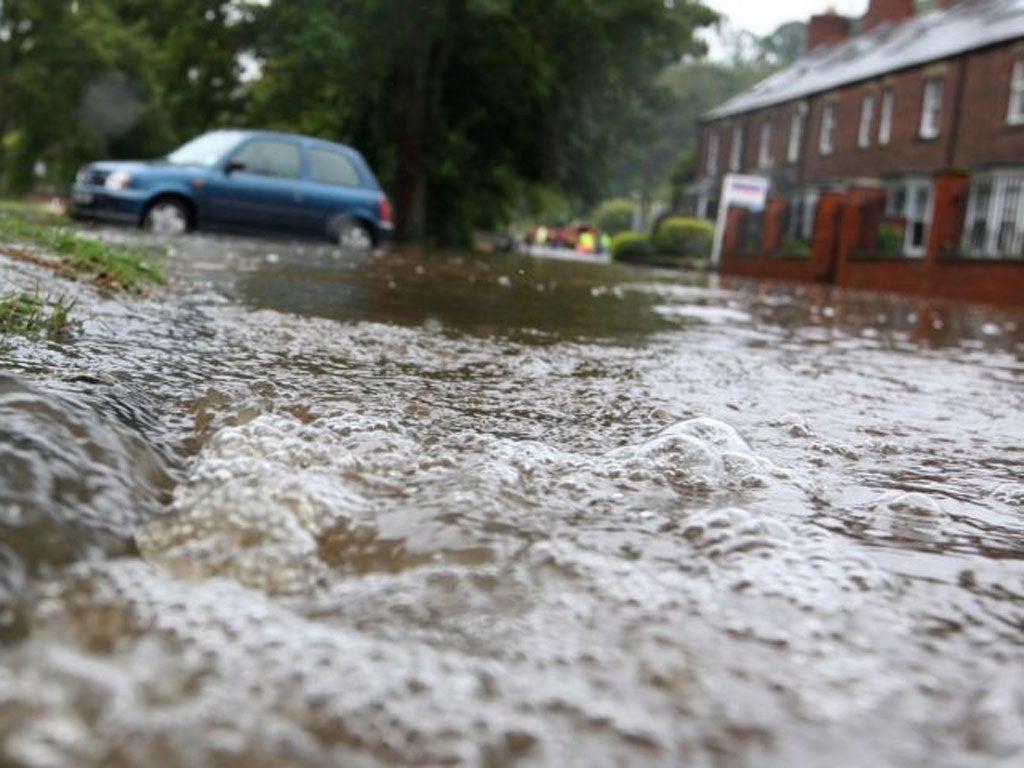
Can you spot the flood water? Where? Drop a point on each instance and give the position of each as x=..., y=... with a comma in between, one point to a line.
x=312, y=510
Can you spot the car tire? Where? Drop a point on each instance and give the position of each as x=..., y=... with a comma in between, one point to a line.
x=353, y=236
x=167, y=216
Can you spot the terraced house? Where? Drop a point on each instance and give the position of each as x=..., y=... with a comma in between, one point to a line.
x=895, y=151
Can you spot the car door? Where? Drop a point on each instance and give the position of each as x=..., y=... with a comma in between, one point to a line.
x=335, y=190
x=258, y=187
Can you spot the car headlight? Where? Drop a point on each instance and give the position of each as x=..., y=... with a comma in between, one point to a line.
x=118, y=180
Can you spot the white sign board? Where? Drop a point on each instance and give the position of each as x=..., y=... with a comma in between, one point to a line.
x=749, y=192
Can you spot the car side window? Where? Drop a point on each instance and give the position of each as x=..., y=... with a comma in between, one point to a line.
x=328, y=167
x=280, y=159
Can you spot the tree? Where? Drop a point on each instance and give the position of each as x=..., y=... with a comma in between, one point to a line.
x=464, y=104
x=80, y=80
x=691, y=88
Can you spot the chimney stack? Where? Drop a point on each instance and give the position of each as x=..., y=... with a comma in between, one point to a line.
x=827, y=29
x=887, y=11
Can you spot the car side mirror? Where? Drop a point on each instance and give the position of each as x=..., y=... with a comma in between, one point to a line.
x=233, y=165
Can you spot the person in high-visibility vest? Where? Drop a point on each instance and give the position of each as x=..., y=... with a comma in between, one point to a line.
x=586, y=242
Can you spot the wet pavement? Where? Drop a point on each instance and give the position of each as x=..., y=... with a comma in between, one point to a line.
x=311, y=509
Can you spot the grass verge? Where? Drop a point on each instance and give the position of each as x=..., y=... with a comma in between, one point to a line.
x=35, y=316
x=112, y=266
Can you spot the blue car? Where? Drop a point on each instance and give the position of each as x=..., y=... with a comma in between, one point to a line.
x=243, y=180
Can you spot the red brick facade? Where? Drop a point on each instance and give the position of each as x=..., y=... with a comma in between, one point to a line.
x=972, y=135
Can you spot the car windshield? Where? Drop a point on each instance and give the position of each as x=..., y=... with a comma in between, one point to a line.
x=205, y=150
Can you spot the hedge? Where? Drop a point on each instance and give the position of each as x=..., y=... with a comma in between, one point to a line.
x=631, y=246
x=684, y=237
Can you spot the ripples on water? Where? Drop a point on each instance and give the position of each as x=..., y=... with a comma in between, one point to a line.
x=306, y=510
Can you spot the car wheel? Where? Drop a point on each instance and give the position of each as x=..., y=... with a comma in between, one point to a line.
x=354, y=236
x=167, y=216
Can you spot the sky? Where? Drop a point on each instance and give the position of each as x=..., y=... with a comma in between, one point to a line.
x=762, y=16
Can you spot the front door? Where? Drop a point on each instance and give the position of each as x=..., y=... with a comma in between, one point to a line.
x=259, y=186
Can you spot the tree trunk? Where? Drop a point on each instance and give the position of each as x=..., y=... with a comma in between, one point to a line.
x=413, y=104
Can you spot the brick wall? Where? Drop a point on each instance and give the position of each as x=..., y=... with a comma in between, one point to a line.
x=906, y=151
x=985, y=138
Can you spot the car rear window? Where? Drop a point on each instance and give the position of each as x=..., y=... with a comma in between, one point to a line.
x=270, y=158
x=333, y=168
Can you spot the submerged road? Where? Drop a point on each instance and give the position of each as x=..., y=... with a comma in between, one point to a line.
x=307, y=509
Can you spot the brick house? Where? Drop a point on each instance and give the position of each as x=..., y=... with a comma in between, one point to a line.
x=895, y=154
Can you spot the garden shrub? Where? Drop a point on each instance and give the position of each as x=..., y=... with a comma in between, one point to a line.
x=795, y=247
x=631, y=246
x=684, y=237
x=890, y=239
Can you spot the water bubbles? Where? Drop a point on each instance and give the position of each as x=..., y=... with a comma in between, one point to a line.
x=700, y=454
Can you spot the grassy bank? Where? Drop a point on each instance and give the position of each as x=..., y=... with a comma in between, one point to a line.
x=35, y=316
x=112, y=266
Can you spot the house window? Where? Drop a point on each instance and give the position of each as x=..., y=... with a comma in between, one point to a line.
x=712, y=160
x=931, y=108
x=796, y=133
x=910, y=201
x=994, y=225
x=1015, y=114
x=736, y=148
x=800, y=217
x=764, y=147
x=867, y=117
x=827, y=140
x=885, y=120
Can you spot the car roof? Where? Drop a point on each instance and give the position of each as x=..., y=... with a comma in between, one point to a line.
x=310, y=140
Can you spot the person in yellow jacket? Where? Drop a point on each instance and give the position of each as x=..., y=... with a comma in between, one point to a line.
x=586, y=242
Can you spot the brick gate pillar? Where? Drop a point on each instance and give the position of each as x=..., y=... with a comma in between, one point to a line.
x=948, y=212
x=825, y=240
x=771, y=234
x=733, y=229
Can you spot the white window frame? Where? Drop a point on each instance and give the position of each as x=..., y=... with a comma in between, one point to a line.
x=711, y=165
x=1005, y=207
x=867, y=118
x=764, y=147
x=807, y=202
x=1015, y=108
x=885, y=118
x=827, y=138
x=931, y=108
x=796, y=133
x=736, y=148
x=911, y=187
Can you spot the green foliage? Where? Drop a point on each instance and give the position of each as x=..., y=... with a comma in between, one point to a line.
x=34, y=316
x=681, y=174
x=890, y=239
x=459, y=104
x=85, y=80
x=794, y=246
x=686, y=90
x=114, y=266
x=631, y=246
x=684, y=237
x=462, y=106
x=614, y=216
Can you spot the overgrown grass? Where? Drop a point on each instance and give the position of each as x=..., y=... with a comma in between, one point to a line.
x=115, y=266
x=35, y=316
